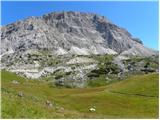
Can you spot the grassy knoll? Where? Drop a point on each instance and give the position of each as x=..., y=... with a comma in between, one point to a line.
x=75, y=103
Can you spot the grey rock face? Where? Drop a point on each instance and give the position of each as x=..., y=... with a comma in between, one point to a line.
x=70, y=33
x=66, y=47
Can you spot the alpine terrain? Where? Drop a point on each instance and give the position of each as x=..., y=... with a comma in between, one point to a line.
x=99, y=61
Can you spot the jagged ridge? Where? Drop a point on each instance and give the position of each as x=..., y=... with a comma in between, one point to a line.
x=71, y=33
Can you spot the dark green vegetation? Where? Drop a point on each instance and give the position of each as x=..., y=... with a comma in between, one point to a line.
x=106, y=73
x=136, y=97
x=106, y=65
x=142, y=64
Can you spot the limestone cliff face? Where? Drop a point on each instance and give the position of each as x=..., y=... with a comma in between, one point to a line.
x=69, y=48
x=70, y=33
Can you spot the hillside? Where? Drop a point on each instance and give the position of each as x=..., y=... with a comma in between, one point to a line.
x=69, y=48
x=76, y=65
x=136, y=97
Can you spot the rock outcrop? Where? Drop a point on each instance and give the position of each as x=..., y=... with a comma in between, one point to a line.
x=67, y=47
x=70, y=33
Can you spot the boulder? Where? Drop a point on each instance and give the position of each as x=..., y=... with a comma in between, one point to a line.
x=20, y=94
x=48, y=103
x=15, y=82
x=92, y=109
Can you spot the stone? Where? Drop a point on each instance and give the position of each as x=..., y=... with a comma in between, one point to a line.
x=48, y=103
x=20, y=94
x=92, y=109
x=15, y=82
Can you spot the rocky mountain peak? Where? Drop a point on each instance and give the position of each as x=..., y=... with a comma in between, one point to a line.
x=70, y=47
x=71, y=33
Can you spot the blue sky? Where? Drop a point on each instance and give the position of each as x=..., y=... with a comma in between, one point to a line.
x=139, y=18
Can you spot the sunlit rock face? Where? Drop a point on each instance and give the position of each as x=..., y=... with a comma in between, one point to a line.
x=65, y=42
x=70, y=33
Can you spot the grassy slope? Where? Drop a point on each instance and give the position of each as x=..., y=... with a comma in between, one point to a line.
x=76, y=102
x=146, y=85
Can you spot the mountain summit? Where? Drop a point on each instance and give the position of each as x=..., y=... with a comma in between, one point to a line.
x=70, y=33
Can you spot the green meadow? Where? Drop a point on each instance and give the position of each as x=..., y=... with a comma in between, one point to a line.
x=135, y=97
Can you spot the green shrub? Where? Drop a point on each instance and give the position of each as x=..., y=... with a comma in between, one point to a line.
x=58, y=76
x=101, y=81
x=68, y=73
x=113, y=68
x=93, y=74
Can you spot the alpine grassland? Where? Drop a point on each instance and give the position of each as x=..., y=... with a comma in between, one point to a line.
x=134, y=97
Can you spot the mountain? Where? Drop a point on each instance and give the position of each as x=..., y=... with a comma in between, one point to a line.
x=76, y=65
x=69, y=48
x=71, y=33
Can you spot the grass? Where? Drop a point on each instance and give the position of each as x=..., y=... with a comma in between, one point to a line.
x=143, y=85
x=109, y=103
x=100, y=81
